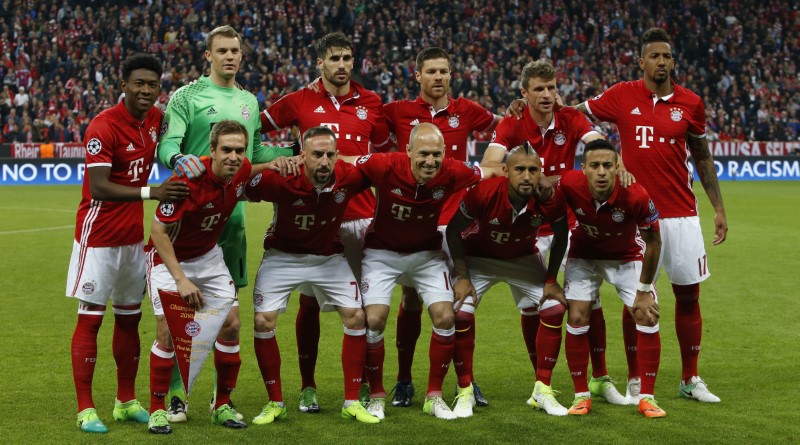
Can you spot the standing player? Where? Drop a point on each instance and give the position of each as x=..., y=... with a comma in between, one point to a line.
x=499, y=219
x=355, y=116
x=613, y=225
x=107, y=255
x=191, y=112
x=183, y=257
x=302, y=248
x=456, y=119
x=403, y=241
x=660, y=125
x=555, y=135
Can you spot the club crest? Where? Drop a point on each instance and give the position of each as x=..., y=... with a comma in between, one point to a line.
x=453, y=121
x=361, y=113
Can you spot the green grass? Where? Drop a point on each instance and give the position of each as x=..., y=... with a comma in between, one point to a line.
x=751, y=357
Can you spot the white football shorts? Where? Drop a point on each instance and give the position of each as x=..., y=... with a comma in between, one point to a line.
x=425, y=271
x=208, y=272
x=683, y=254
x=97, y=274
x=583, y=278
x=327, y=276
x=524, y=275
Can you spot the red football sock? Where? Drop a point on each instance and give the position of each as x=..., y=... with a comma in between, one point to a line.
x=306, y=330
x=649, y=346
x=548, y=341
x=530, y=327
x=597, y=342
x=84, y=355
x=354, y=352
x=440, y=354
x=630, y=338
x=376, y=352
x=161, y=361
x=464, y=347
x=127, y=348
x=409, y=327
x=688, y=326
x=268, y=355
x=227, y=363
x=577, y=350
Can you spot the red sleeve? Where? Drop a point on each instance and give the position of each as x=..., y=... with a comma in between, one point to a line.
x=645, y=211
x=169, y=212
x=472, y=204
x=464, y=173
x=697, y=121
x=555, y=208
x=606, y=105
x=374, y=166
x=265, y=186
x=380, y=131
x=99, y=140
x=505, y=133
x=282, y=113
x=480, y=117
x=580, y=124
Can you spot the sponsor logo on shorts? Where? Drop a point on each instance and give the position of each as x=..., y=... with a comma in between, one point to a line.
x=192, y=328
x=94, y=146
x=618, y=215
x=88, y=287
x=453, y=121
x=167, y=208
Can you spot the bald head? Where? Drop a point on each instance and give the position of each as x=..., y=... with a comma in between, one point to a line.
x=426, y=150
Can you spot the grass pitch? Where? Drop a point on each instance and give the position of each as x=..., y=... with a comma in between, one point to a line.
x=750, y=355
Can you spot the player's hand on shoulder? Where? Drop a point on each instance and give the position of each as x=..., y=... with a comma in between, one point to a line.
x=314, y=85
x=625, y=178
x=170, y=191
x=286, y=165
x=516, y=107
x=189, y=166
x=544, y=189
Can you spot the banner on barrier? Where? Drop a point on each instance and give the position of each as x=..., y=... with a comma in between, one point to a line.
x=63, y=172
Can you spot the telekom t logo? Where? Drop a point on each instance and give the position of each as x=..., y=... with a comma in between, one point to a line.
x=644, y=134
x=401, y=212
x=499, y=237
x=136, y=166
x=333, y=126
x=304, y=222
x=209, y=222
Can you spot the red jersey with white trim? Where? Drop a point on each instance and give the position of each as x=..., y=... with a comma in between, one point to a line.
x=456, y=121
x=608, y=230
x=653, y=140
x=118, y=140
x=198, y=220
x=556, y=148
x=306, y=220
x=356, y=119
x=407, y=214
x=499, y=231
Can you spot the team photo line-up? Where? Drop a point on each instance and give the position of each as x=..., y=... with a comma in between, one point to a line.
x=375, y=195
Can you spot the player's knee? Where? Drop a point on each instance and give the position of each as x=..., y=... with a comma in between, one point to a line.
x=375, y=322
x=443, y=318
x=687, y=292
x=264, y=322
x=578, y=317
x=230, y=331
x=354, y=319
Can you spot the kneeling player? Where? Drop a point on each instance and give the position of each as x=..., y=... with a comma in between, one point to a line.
x=499, y=220
x=607, y=245
x=302, y=249
x=183, y=257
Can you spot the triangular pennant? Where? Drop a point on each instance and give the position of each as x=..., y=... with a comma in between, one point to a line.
x=193, y=331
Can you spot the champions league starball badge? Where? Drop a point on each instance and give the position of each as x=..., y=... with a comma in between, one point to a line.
x=256, y=179
x=94, y=146
x=167, y=208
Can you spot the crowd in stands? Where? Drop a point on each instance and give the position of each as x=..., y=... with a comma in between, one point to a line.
x=60, y=60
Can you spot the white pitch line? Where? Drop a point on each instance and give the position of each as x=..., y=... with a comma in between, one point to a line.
x=12, y=232
x=39, y=208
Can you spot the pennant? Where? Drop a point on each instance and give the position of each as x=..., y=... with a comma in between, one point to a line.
x=193, y=331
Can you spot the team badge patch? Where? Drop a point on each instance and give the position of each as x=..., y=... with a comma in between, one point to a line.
x=167, y=208
x=256, y=179
x=364, y=287
x=453, y=121
x=153, y=134
x=245, y=112
x=494, y=136
x=164, y=128
x=94, y=146
x=364, y=159
x=258, y=299
x=536, y=220
x=239, y=190
x=438, y=193
x=88, y=288
x=618, y=215
x=192, y=329
x=560, y=138
x=339, y=196
x=654, y=214
x=676, y=114
x=361, y=113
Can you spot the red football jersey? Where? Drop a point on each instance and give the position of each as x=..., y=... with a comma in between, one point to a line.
x=498, y=230
x=653, y=140
x=556, y=147
x=357, y=119
x=407, y=214
x=608, y=230
x=198, y=220
x=307, y=219
x=118, y=140
x=456, y=121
